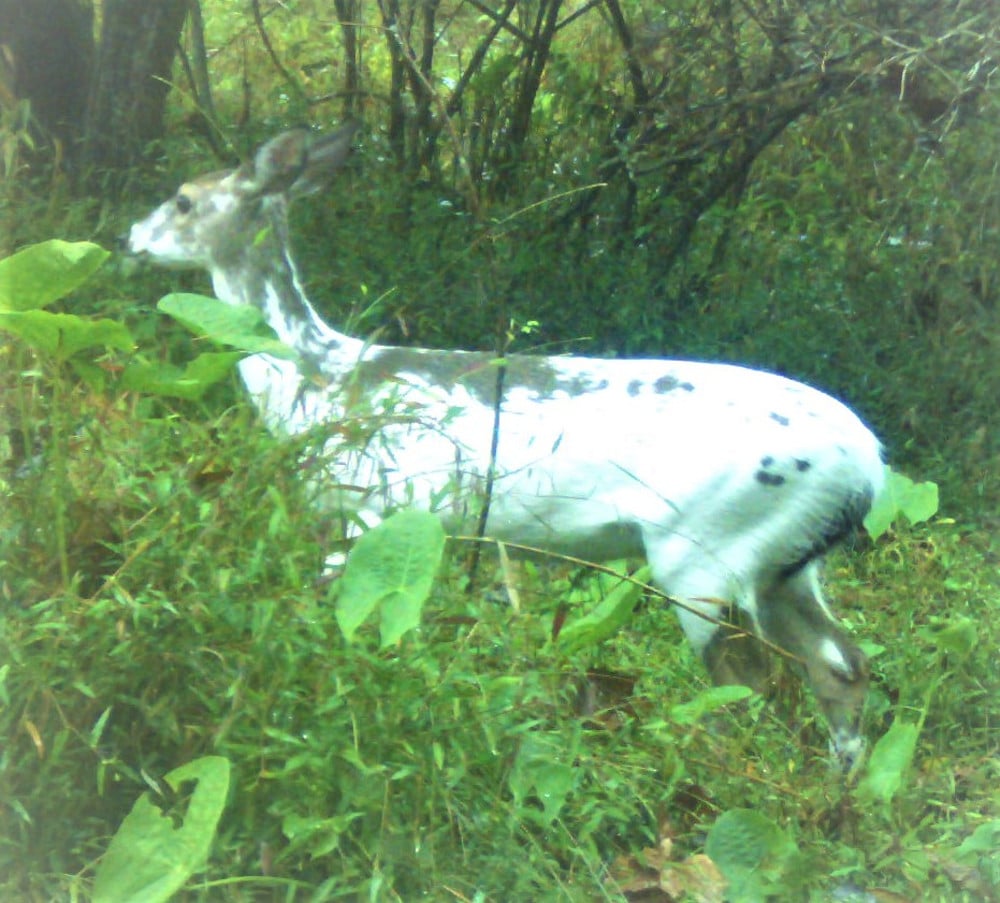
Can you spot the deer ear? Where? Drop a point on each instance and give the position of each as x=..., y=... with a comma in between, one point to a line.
x=298, y=162
x=276, y=165
x=325, y=154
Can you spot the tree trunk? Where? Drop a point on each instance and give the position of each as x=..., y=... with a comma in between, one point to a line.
x=131, y=80
x=536, y=55
x=47, y=45
x=348, y=14
x=397, y=80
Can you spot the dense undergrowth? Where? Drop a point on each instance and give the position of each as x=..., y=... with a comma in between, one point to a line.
x=458, y=763
x=162, y=599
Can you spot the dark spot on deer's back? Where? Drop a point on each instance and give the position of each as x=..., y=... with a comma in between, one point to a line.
x=634, y=387
x=668, y=383
x=802, y=465
x=779, y=418
x=765, y=475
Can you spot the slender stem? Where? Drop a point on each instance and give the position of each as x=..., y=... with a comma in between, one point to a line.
x=491, y=469
x=60, y=476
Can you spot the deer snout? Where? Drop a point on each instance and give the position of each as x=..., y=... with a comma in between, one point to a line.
x=841, y=684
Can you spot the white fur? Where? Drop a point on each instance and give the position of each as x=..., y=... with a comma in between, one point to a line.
x=832, y=655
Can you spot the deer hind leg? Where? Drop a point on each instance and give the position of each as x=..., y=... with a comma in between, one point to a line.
x=794, y=616
x=725, y=636
x=731, y=650
x=735, y=655
x=732, y=654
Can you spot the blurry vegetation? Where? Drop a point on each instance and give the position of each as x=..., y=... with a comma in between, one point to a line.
x=808, y=187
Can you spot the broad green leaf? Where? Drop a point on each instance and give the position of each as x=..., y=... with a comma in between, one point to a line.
x=160, y=844
x=917, y=502
x=543, y=769
x=744, y=839
x=890, y=760
x=241, y=326
x=188, y=383
x=36, y=276
x=553, y=782
x=985, y=839
x=607, y=617
x=707, y=701
x=391, y=567
x=63, y=335
x=751, y=851
x=958, y=635
x=315, y=835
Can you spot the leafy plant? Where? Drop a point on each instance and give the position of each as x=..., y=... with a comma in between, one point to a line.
x=166, y=837
x=38, y=276
x=240, y=327
x=391, y=569
x=30, y=280
x=892, y=758
x=543, y=771
x=889, y=763
x=757, y=857
x=42, y=274
x=901, y=496
x=618, y=598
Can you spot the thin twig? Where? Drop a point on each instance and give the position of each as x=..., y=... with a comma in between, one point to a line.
x=269, y=47
x=735, y=630
x=491, y=470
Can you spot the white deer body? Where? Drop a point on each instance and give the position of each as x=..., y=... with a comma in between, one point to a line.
x=731, y=482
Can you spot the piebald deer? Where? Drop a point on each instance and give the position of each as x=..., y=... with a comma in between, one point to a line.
x=732, y=482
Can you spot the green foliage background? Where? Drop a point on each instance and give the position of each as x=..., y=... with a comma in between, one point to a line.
x=159, y=558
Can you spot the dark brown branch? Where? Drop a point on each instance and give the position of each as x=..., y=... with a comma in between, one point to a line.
x=625, y=37
x=479, y=55
x=502, y=19
x=265, y=38
x=576, y=14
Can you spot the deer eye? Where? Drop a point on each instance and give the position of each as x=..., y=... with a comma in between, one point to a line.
x=184, y=204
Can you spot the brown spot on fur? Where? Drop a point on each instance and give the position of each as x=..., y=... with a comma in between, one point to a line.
x=668, y=383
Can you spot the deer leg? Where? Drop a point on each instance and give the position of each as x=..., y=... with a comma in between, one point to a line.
x=734, y=655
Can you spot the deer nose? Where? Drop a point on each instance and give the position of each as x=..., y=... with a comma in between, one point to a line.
x=128, y=261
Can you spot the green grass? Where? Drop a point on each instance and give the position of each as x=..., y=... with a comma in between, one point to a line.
x=195, y=625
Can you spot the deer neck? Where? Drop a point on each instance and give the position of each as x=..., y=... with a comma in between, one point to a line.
x=266, y=278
